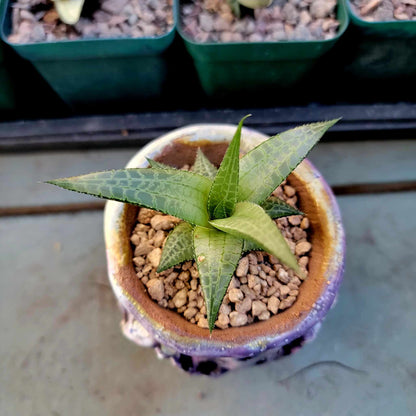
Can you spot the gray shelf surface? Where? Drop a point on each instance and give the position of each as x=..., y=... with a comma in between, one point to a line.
x=62, y=353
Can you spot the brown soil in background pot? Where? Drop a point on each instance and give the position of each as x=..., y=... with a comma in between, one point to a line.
x=302, y=20
x=37, y=20
x=385, y=10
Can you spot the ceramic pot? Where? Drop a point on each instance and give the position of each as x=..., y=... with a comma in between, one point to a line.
x=189, y=346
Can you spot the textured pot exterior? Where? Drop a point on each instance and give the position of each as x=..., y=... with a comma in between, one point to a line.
x=191, y=347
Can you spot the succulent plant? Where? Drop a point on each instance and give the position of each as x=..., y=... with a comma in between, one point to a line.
x=69, y=11
x=250, y=4
x=225, y=211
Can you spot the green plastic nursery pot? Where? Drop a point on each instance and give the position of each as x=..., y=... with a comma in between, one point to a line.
x=98, y=71
x=244, y=67
x=7, y=101
x=381, y=49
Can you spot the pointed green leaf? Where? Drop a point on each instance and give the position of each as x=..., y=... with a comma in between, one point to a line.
x=69, y=11
x=277, y=208
x=203, y=166
x=178, y=247
x=265, y=167
x=249, y=245
x=249, y=221
x=179, y=193
x=217, y=255
x=223, y=194
x=157, y=165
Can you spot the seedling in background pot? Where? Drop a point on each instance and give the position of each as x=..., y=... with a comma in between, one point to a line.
x=225, y=212
x=69, y=11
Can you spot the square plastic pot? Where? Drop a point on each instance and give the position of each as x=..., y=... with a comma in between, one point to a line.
x=381, y=50
x=247, y=67
x=7, y=100
x=88, y=72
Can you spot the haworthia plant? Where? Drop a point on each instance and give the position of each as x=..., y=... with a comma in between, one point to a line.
x=69, y=11
x=225, y=212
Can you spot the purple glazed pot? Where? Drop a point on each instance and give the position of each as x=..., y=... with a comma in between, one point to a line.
x=189, y=346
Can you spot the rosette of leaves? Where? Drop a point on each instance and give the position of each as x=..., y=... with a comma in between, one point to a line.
x=225, y=211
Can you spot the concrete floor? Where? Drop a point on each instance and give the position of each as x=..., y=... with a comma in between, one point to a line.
x=61, y=351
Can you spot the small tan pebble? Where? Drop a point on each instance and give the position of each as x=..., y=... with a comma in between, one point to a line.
x=135, y=239
x=190, y=313
x=192, y=304
x=141, y=228
x=150, y=234
x=163, y=303
x=146, y=269
x=253, y=269
x=194, y=284
x=303, y=261
x=234, y=283
x=145, y=215
x=194, y=272
x=248, y=292
x=203, y=309
x=270, y=280
x=179, y=284
x=304, y=224
x=223, y=321
x=235, y=295
x=180, y=298
x=198, y=316
x=225, y=309
x=265, y=268
x=243, y=306
x=284, y=291
x=145, y=279
x=273, y=304
x=252, y=280
x=258, y=307
x=298, y=233
x=302, y=248
x=262, y=274
x=200, y=302
x=187, y=265
x=142, y=249
x=273, y=260
x=283, y=276
x=237, y=319
x=139, y=261
x=289, y=191
x=171, y=305
x=260, y=257
x=156, y=289
x=162, y=222
x=139, y=274
x=252, y=258
x=203, y=323
x=264, y=315
x=294, y=292
x=292, y=286
x=257, y=289
x=292, y=201
x=242, y=268
x=295, y=219
x=295, y=280
x=181, y=309
x=171, y=277
x=184, y=275
x=271, y=291
x=286, y=303
x=154, y=257
x=159, y=238
x=243, y=280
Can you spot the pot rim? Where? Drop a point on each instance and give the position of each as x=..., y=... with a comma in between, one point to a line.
x=171, y=329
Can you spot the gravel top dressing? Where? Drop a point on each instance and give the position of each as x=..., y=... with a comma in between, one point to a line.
x=260, y=288
x=213, y=21
x=37, y=20
x=385, y=10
